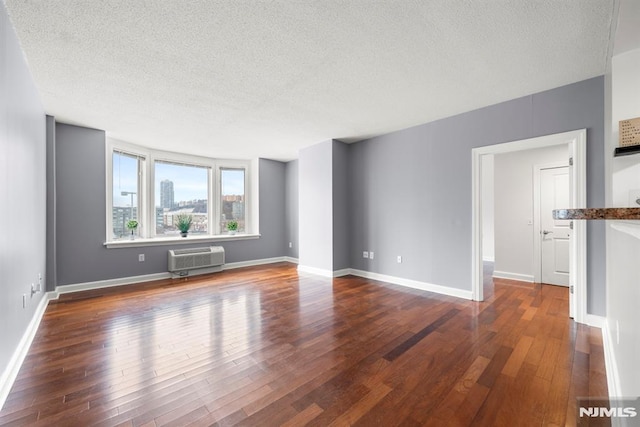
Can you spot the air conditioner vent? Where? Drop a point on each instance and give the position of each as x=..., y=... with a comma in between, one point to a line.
x=185, y=262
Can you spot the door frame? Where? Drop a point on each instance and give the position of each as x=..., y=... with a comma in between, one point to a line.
x=537, y=226
x=577, y=141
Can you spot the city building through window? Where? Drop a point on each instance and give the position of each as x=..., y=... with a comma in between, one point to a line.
x=154, y=187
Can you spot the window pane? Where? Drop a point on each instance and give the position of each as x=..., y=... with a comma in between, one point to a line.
x=232, y=190
x=125, y=206
x=181, y=189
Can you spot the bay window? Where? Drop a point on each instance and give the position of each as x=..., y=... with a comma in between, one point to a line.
x=153, y=187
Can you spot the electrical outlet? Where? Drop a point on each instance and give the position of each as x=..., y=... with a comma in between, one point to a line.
x=141, y=258
x=290, y=244
x=370, y=255
x=24, y=300
x=34, y=289
x=399, y=259
x=365, y=254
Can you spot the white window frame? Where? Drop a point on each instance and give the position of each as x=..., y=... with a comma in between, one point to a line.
x=234, y=164
x=182, y=160
x=127, y=149
x=146, y=196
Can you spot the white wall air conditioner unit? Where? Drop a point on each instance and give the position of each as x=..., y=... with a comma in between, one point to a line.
x=189, y=262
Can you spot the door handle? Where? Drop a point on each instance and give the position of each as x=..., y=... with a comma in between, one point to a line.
x=545, y=232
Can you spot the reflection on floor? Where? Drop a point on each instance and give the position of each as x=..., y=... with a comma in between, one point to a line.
x=268, y=346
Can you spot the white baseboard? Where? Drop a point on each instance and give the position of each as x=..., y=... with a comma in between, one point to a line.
x=251, y=263
x=77, y=287
x=10, y=373
x=343, y=272
x=430, y=287
x=488, y=259
x=291, y=260
x=596, y=321
x=313, y=270
x=322, y=272
x=513, y=276
x=613, y=378
x=424, y=286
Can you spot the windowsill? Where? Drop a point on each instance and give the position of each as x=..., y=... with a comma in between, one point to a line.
x=165, y=241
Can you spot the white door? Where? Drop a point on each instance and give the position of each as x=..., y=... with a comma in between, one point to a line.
x=554, y=233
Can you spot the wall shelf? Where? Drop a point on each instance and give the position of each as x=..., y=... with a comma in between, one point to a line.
x=597, y=213
x=626, y=151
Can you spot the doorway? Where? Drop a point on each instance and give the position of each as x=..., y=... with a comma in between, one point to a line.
x=576, y=141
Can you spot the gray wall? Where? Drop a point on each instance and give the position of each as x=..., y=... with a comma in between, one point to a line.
x=411, y=190
x=22, y=191
x=291, y=208
x=315, y=206
x=81, y=207
x=52, y=268
x=341, y=218
x=81, y=216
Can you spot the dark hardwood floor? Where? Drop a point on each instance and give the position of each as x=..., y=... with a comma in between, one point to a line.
x=266, y=346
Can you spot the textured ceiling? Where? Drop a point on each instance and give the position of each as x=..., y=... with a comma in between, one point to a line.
x=627, y=36
x=244, y=79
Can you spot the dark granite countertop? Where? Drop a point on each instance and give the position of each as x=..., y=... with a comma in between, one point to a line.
x=597, y=213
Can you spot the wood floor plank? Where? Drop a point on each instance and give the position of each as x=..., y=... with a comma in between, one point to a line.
x=304, y=417
x=361, y=407
x=496, y=366
x=548, y=362
x=517, y=357
x=558, y=402
x=266, y=346
x=406, y=345
x=456, y=400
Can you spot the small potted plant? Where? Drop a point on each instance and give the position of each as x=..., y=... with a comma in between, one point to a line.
x=183, y=222
x=132, y=225
x=232, y=226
